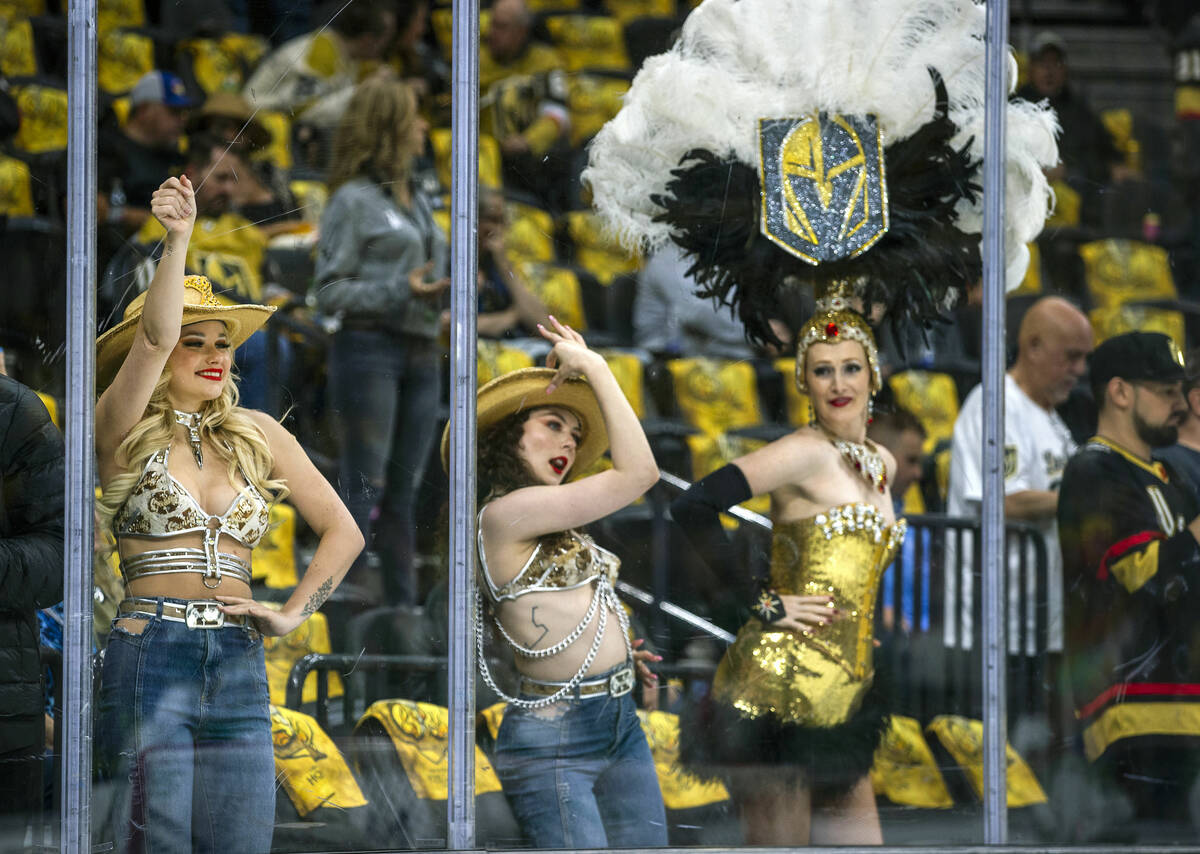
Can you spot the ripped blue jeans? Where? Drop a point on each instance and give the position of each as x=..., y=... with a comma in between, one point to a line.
x=579, y=774
x=183, y=736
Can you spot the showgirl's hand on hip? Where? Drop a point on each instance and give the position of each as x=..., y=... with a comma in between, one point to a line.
x=174, y=205
x=570, y=356
x=270, y=622
x=806, y=614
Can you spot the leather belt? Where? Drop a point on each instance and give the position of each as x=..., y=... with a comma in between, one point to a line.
x=616, y=684
x=196, y=614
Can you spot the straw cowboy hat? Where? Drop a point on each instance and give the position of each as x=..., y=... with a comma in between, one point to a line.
x=241, y=321
x=229, y=105
x=526, y=389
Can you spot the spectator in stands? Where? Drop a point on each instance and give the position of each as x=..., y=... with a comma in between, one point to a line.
x=380, y=272
x=1052, y=347
x=1088, y=158
x=230, y=251
x=417, y=61
x=31, y=577
x=506, y=307
x=523, y=104
x=671, y=321
x=901, y=433
x=133, y=160
x=1130, y=532
x=261, y=192
x=1184, y=455
x=312, y=77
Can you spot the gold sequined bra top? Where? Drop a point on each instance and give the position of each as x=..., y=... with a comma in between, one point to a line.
x=574, y=562
x=160, y=506
x=817, y=677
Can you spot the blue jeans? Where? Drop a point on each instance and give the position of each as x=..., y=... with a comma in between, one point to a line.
x=385, y=391
x=579, y=774
x=184, y=739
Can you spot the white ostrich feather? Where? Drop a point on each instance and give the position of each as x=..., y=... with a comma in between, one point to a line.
x=741, y=60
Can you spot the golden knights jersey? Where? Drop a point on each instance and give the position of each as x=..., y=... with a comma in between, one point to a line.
x=1131, y=572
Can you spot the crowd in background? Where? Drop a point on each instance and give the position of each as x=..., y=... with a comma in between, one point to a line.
x=317, y=137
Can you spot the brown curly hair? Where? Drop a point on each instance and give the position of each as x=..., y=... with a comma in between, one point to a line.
x=500, y=468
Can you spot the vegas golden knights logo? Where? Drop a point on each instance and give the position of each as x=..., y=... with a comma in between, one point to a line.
x=822, y=179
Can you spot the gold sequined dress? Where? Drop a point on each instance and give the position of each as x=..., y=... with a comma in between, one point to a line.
x=785, y=697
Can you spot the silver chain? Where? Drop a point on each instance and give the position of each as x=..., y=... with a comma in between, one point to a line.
x=575, y=634
x=605, y=592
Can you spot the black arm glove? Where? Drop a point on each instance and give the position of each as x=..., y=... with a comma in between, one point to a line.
x=698, y=513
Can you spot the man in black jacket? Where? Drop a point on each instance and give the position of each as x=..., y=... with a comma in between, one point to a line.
x=31, y=577
x=1130, y=533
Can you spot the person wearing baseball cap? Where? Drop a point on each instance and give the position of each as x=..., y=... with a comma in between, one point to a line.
x=136, y=158
x=1129, y=527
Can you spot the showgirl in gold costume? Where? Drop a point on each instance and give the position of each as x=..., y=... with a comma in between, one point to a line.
x=792, y=717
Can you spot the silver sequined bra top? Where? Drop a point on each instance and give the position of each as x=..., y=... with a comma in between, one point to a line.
x=160, y=506
x=575, y=561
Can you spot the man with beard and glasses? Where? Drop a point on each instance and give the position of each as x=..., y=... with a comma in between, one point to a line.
x=1130, y=535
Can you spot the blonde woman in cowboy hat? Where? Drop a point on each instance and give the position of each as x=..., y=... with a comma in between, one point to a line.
x=188, y=479
x=570, y=752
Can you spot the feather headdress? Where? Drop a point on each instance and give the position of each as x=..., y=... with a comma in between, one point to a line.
x=785, y=141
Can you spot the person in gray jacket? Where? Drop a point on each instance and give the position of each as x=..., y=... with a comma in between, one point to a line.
x=381, y=267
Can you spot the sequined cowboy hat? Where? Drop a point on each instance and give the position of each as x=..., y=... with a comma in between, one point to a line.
x=199, y=303
x=526, y=389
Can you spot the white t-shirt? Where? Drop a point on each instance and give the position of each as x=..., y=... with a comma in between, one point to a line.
x=1037, y=445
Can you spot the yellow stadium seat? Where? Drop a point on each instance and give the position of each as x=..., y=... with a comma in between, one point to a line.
x=905, y=771
x=559, y=290
x=595, y=42
x=1118, y=271
x=489, y=158
x=13, y=9
x=592, y=99
x=43, y=118
x=716, y=395
x=1119, y=124
x=1108, y=321
x=120, y=108
x=122, y=58
x=595, y=250
x=1032, y=283
x=1067, y=205
x=16, y=188
x=530, y=233
x=628, y=370
x=711, y=451
x=279, y=152
x=494, y=359
x=308, y=765
x=18, y=58
x=627, y=10
x=112, y=14
x=212, y=67
x=798, y=405
x=933, y=399
x=274, y=561
x=310, y=197
x=963, y=740
x=282, y=653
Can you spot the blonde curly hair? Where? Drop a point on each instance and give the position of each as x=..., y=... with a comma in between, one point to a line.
x=239, y=442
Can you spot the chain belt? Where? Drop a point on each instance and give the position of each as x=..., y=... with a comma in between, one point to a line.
x=196, y=614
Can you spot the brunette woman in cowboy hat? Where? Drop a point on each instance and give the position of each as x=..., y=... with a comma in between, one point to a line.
x=189, y=478
x=570, y=752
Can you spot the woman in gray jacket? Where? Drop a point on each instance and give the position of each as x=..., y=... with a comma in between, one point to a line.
x=381, y=266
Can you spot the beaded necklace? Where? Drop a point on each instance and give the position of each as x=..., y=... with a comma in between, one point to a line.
x=863, y=457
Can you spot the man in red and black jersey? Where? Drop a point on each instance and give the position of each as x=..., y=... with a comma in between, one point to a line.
x=1130, y=536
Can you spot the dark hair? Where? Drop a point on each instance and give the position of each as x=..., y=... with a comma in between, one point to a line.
x=201, y=146
x=501, y=469
x=360, y=18
x=1191, y=379
x=895, y=422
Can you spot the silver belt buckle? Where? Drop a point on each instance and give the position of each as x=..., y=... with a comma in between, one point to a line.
x=204, y=615
x=621, y=682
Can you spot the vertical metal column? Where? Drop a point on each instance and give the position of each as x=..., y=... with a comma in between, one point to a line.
x=995, y=570
x=464, y=133
x=75, y=824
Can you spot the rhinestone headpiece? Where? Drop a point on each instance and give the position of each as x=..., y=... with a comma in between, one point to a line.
x=837, y=319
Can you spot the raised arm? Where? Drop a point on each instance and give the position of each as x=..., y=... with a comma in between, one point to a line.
x=319, y=506
x=525, y=514
x=124, y=401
